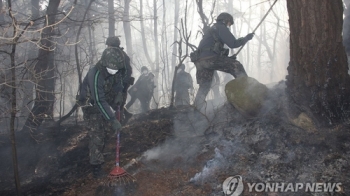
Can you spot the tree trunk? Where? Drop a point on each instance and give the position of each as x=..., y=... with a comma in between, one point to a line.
x=164, y=58
x=2, y=19
x=201, y=13
x=258, y=64
x=13, y=99
x=127, y=29
x=44, y=73
x=28, y=85
x=111, y=19
x=79, y=69
x=317, y=79
x=346, y=28
x=174, y=54
x=273, y=72
x=156, y=45
x=144, y=44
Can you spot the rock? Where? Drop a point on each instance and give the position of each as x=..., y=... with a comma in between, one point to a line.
x=304, y=121
x=247, y=95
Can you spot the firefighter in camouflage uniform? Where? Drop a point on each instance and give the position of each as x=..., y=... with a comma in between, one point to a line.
x=211, y=55
x=100, y=96
x=183, y=83
x=125, y=81
x=142, y=90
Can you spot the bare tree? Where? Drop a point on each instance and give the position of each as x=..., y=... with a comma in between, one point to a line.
x=44, y=72
x=143, y=34
x=13, y=100
x=111, y=19
x=317, y=81
x=156, y=44
x=346, y=28
x=127, y=29
x=185, y=36
x=28, y=85
x=77, y=40
x=205, y=20
x=176, y=22
x=1, y=16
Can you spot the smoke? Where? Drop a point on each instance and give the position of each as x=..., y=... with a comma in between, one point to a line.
x=189, y=128
x=210, y=168
x=197, y=133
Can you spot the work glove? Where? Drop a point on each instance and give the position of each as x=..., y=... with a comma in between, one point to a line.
x=116, y=126
x=249, y=37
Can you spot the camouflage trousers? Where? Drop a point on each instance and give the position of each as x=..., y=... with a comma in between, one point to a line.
x=182, y=98
x=99, y=130
x=205, y=72
x=144, y=101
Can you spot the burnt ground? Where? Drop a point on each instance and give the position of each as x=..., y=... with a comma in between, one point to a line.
x=183, y=152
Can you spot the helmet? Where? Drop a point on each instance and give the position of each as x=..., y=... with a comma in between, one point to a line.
x=144, y=68
x=113, y=58
x=113, y=41
x=225, y=17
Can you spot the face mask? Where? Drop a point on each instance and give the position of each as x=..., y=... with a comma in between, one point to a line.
x=145, y=72
x=111, y=71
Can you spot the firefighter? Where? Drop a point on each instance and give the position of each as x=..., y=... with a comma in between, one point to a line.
x=183, y=84
x=99, y=100
x=142, y=90
x=211, y=55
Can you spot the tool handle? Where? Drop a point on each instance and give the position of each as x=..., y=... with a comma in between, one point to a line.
x=258, y=25
x=118, y=139
x=117, y=150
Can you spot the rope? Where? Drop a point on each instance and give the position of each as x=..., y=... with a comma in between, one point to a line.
x=258, y=25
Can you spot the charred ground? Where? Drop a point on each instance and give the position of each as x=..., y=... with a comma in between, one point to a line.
x=183, y=152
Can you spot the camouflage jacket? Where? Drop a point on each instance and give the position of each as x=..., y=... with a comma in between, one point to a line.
x=183, y=81
x=144, y=86
x=223, y=34
x=100, y=88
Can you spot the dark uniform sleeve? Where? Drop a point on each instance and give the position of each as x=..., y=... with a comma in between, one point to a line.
x=227, y=37
x=98, y=94
x=128, y=68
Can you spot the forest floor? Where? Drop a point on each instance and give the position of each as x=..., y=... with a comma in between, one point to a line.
x=183, y=152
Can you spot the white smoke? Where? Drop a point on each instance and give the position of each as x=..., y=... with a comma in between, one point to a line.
x=210, y=168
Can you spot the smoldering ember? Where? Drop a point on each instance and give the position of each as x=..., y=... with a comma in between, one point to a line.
x=154, y=98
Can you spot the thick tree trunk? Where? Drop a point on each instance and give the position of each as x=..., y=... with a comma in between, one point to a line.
x=346, y=27
x=12, y=84
x=28, y=85
x=317, y=79
x=44, y=73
